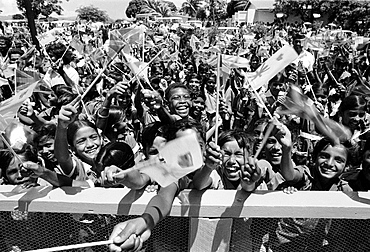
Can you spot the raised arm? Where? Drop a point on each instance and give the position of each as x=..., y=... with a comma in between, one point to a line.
x=131, y=178
x=132, y=233
x=102, y=116
x=67, y=115
x=213, y=159
x=155, y=102
x=284, y=137
x=55, y=179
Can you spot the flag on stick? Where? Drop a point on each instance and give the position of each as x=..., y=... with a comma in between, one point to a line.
x=177, y=158
x=137, y=67
x=25, y=79
x=299, y=104
x=77, y=45
x=10, y=107
x=277, y=62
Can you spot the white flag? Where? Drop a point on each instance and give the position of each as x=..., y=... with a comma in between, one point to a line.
x=277, y=62
x=178, y=157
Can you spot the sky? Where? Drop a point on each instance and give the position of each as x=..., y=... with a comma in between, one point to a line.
x=115, y=8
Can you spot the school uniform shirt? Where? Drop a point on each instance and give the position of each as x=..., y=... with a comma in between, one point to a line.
x=80, y=170
x=300, y=234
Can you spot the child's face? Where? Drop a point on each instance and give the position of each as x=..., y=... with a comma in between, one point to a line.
x=194, y=84
x=47, y=150
x=180, y=102
x=330, y=162
x=353, y=118
x=233, y=159
x=87, y=143
x=13, y=173
x=273, y=151
x=198, y=105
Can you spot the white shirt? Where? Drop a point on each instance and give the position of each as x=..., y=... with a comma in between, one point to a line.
x=307, y=60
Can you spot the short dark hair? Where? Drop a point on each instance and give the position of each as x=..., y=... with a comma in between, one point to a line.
x=118, y=153
x=183, y=124
x=230, y=135
x=45, y=133
x=172, y=87
x=352, y=102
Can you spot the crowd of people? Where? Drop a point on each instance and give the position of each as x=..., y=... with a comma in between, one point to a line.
x=108, y=98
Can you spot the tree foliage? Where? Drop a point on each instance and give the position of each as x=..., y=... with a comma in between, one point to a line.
x=217, y=10
x=345, y=12
x=41, y=7
x=237, y=5
x=160, y=7
x=134, y=7
x=171, y=5
x=165, y=8
x=92, y=13
x=191, y=7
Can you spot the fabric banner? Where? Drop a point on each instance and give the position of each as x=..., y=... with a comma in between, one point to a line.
x=276, y=63
x=178, y=158
x=10, y=107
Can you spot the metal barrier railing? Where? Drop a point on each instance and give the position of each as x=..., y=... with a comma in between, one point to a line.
x=224, y=220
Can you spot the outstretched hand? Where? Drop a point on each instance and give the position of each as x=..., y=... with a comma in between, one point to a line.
x=130, y=234
x=152, y=99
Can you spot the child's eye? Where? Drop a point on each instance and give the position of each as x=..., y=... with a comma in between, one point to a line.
x=340, y=160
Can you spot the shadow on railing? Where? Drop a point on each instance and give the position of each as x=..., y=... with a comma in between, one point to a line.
x=210, y=220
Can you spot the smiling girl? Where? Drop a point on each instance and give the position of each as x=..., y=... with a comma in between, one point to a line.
x=84, y=140
x=309, y=234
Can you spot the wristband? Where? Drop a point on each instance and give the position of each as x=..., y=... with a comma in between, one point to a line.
x=64, y=180
x=148, y=220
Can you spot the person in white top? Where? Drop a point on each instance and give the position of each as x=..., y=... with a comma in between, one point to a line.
x=305, y=58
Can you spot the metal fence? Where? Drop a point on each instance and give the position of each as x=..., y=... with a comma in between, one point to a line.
x=227, y=220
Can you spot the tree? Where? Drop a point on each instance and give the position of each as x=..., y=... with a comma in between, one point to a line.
x=346, y=12
x=135, y=7
x=172, y=6
x=91, y=13
x=165, y=8
x=217, y=10
x=350, y=13
x=42, y=7
x=158, y=7
x=191, y=7
x=237, y=5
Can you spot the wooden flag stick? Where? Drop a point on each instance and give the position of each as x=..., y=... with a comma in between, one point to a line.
x=264, y=140
x=261, y=102
x=142, y=69
x=75, y=246
x=10, y=148
x=217, y=96
x=101, y=72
